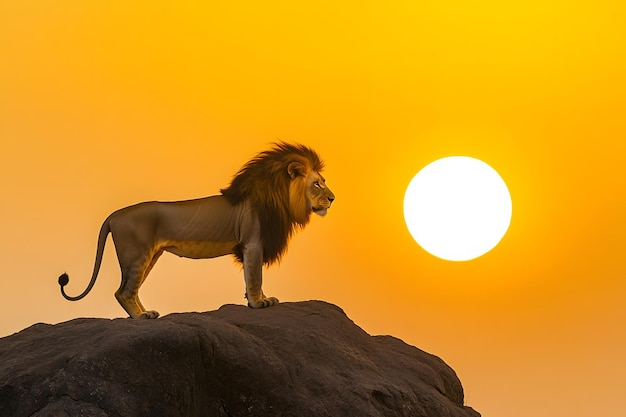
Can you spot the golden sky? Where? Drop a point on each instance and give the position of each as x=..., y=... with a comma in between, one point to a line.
x=107, y=103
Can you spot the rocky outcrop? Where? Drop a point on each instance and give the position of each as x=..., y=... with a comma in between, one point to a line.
x=294, y=359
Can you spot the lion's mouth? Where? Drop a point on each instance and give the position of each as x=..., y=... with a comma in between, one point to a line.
x=320, y=211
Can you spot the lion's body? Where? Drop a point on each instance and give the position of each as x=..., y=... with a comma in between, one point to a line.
x=199, y=229
x=252, y=219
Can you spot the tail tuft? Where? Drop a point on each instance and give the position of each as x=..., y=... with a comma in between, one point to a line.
x=64, y=279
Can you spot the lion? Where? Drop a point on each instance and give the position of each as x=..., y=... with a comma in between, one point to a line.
x=253, y=219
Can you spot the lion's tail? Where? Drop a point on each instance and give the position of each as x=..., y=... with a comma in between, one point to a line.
x=102, y=238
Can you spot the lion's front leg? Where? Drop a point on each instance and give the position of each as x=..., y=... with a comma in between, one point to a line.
x=253, y=274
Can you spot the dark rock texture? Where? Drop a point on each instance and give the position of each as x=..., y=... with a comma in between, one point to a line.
x=295, y=359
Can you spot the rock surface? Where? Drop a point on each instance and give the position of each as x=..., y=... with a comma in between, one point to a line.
x=295, y=359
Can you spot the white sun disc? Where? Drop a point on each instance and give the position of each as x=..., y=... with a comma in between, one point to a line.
x=457, y=208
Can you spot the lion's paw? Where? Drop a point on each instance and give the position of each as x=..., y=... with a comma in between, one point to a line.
x=151, y=314
x=262, y=303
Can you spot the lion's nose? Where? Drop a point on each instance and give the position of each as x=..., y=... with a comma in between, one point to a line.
x=331, y=199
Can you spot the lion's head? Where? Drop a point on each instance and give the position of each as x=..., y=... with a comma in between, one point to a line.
x=284, y=186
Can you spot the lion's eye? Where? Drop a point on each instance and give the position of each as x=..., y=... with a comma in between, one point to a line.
x=317, y=184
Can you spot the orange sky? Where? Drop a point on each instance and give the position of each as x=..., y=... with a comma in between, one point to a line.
x=104, y=104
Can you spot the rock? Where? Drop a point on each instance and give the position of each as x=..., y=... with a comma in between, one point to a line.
x=294, y=359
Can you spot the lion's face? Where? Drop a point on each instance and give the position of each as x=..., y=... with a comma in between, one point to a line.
x=318, y=195
x=307, y=192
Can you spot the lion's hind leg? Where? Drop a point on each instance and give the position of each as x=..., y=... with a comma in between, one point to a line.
x=150, y=314
x=132, y=278
x=127, y=296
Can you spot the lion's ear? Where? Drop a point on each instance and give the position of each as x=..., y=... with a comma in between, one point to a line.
x=296, y=169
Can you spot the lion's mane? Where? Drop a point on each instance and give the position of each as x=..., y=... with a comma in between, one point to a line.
x=278, y=199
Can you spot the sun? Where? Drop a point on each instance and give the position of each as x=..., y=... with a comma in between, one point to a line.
x=457, y=208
